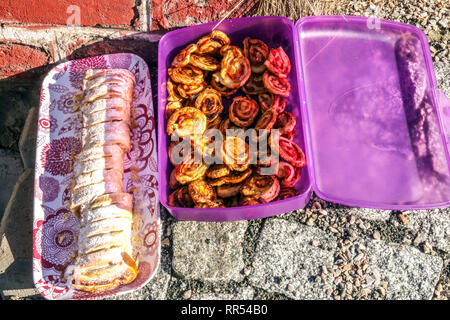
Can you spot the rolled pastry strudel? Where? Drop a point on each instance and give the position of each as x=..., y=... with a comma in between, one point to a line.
x=104, y=259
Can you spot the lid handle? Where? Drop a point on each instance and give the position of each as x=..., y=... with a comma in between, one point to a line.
x=444, y=108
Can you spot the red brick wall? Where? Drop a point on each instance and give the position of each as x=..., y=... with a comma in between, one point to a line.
x=176, y=13
x=35, y=33
x=57, y=12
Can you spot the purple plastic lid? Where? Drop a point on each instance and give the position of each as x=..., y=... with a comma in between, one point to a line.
x=374, y=131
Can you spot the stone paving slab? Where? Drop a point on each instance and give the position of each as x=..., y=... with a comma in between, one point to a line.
x=362, y=213
x=432, y=226
x=10, y=169
x=27, y=142
x=409, y=273
x=209, y=251
x=15, y=101
x=286, y=262
x=370, y=214
x=442, y=69
x=156, y=289
x=244, y=293
x=16, y=238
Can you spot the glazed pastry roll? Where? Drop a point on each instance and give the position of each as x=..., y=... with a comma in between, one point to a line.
x=107, y=277
x=104, y=258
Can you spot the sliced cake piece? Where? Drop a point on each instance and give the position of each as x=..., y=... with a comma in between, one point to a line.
x=106, y=116
x=92, y=74
x=105, y=226
x=106, y=91
x=97, y=152
x=113, y=161
x=87, y=193
x=105, y=104
x=109, y=79
x=98, y=275
x=97, y=176
x=103, y=278
x=112, y=211
x=107, y=133
x=105, y=241
x=122, y=200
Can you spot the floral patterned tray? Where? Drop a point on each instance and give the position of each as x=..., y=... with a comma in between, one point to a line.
x=55, y=228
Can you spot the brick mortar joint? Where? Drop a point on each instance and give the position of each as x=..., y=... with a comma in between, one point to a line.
x=140, y=17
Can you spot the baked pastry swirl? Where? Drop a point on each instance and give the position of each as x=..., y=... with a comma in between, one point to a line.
x=210, y=103
x=257, y=52
x=243, y=111
x=239, y=92
x=234, y=68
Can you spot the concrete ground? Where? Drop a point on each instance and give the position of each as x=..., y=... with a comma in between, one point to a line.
x=324, y=251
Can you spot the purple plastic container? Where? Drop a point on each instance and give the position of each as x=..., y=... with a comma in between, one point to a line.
x=369, y=117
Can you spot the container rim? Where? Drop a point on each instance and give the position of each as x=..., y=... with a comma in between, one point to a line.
x=307, y=189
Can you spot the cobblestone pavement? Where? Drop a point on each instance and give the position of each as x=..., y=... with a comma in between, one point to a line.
x=324, y=251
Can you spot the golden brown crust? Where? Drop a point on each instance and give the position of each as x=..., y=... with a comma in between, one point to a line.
x=183, y=57
x=172, y=95
x=228, y=190
x=217, y=171
x=206, y=63
x=210, y=103
x=213, y=42
x=189, y=75
x=201, y=192
x=214, y=124
x=187, y=121
x=263, y=188
x=232, y=178
x=243, y=111
x=218, y=203
x=190, y=91
x=236, y=154
x=190, y=170
x=234, y=68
